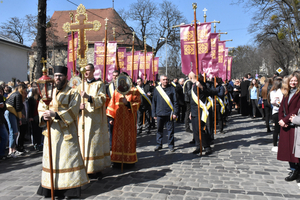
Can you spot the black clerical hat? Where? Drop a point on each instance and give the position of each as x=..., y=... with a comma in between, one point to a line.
x=61, y=69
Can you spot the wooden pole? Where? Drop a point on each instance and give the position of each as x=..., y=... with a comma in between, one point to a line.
x=197, y=72
x=215, y=106
x=105, y=51
x=82, y=71
x=153, y=72
x=50, y=160
x=73, y=47
x=132, y=59
x=145, y=59
x=117, y=58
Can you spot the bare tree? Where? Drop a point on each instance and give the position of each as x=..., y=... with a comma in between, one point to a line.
x=153, y=21
x=15, y=29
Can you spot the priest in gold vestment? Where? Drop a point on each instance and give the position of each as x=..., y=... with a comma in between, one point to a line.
x=69, y=172
x=123, y=109
x=96, y=140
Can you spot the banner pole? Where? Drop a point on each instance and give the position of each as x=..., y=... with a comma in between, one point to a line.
x=132, y=59
x=105, y=51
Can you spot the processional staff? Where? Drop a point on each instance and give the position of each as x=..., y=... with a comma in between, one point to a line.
x=81, y=26
x=105, y=51
x=197, y=72
x=145, y=59
x=45, y=86
x=73, y=47
x=132, y=59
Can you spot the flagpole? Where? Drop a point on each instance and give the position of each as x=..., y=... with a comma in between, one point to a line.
x=117, y=58
x=145, y=59
x=132, y=59
x=73, y=46
x=197, y=72
x=153, y=56
x=215, y=97
x=204, y=74
x=105, y=51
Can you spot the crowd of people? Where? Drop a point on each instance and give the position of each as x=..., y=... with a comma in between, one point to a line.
x=97, y=124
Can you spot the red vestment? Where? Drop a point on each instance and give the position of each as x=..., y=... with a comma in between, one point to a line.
x=124, y=131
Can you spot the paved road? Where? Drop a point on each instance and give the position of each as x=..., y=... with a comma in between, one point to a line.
x=241, y=167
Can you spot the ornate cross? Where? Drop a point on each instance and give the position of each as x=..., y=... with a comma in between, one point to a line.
x=43, y=61
x=81, y=25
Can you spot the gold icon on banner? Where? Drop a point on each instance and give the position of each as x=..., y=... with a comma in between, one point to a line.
x=121, y=64
x=203, y=34
x=189, y=50
x=221, y=48
x=220, y=59
x=213, y=54
x=110, y=60
x=203, y=48
x=189, y=36
x=99, y=61
x=213, y=42
x=121, y=55
x=100, y=50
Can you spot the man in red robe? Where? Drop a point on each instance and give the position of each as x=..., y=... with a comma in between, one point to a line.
x=122, y=110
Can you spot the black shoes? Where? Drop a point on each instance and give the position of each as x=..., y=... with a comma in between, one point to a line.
x=192, y=142
x=157, y=148
x=208, y=151
x=196, y=151
x=292, y=175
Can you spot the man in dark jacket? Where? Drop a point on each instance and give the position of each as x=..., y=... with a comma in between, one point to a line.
x=164, y=109
x=245, y=108
x=180, y=101
x=187, y=92
x=145, y=106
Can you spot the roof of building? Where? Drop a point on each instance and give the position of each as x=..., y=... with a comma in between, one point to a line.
x=12, y=42
x=59, y=18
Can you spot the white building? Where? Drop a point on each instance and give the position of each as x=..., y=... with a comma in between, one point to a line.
x=13, y=60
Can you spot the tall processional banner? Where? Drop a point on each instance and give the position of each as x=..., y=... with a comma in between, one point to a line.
x=221, y=58
x=204, y=46
x=156, y=65
x=122, y=59
x=70, y=54
x=110, y=60
x=148, y=66
x=136, y=63
x=229, y=67
x=226, y=63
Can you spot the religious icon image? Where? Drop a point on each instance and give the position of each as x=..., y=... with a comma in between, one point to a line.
x=123, y=84
x=74, y=82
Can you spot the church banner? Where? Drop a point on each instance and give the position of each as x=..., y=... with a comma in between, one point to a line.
x=214, y=39
x=221, y=56
x=204, y=43
x=229, y=67
x=122, y=59
x=148, y=66
x=226, y=62
x=187, y=42
x=70, y=54
x=110, y=60
x=208, y=68
x=135, y=64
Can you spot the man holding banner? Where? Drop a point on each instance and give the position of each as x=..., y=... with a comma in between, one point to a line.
x=164, y=109
x=203, y=113
x=145, y=106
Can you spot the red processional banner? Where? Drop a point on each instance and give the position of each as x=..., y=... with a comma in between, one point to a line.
x=212, y=69
x=148, y=66
x=187, y=42
x=136, y=63
x=229, y=67
x=221, y=58
x=122, y=59
x=110, y=60
x=226, y=62
x=70, y=54
x=204, y=46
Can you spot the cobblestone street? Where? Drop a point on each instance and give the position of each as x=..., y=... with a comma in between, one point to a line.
x=242, y=166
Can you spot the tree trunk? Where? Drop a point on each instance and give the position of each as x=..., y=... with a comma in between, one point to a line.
x=41, y=37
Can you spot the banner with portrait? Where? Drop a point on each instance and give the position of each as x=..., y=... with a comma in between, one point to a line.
x=71, y=57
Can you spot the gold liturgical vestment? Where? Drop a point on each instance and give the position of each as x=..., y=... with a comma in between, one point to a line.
x=97, y=150
x=124, y=132
x=68, y=168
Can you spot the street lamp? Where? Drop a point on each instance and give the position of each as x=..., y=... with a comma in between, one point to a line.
x=166, y=39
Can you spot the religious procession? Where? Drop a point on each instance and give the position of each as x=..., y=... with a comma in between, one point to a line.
x=88, y=115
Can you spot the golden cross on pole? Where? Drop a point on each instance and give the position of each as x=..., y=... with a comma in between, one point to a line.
x=81, y=25
x=44, y=62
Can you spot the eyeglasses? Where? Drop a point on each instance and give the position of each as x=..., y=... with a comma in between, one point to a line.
x=165, y=79
x=59, y=76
